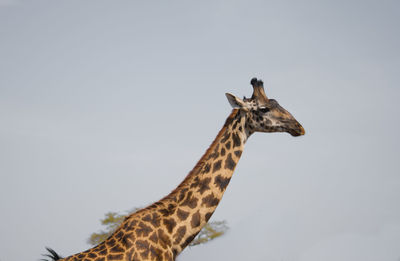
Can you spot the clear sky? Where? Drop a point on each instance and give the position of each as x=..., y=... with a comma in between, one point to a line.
x=106, y=106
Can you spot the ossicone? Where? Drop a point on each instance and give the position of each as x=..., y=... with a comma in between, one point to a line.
x=258, y=91
x=256, y=82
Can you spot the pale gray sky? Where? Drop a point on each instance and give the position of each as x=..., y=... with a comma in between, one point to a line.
x=106, y=105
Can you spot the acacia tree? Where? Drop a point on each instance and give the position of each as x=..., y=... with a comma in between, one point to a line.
x=112, y=220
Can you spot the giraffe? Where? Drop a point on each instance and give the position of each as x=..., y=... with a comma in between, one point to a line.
x=162, y=230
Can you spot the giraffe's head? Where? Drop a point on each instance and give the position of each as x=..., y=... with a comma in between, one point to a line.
x=263, y=114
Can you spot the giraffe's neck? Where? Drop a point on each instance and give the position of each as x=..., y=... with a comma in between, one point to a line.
x=162, y=230
x=196, y=198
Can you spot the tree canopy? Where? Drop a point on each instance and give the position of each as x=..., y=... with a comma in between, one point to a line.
x=113, y=220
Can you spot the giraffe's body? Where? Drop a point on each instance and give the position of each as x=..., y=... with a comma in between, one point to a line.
x=162, y=230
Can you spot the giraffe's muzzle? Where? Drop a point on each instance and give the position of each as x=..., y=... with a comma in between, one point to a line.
x=296, y=130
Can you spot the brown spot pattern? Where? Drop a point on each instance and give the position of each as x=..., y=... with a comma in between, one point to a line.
x=168, y=211
x=206, y=168
x=229, y=162
x=154, y=237
x=169, y=224
x=116, y=249
x=180, y=233
x=187, y=241
x=236, y=140
x=221, y=182
x=203, y=185
x=163, y=238
x=182, y=194
x=217, y=166
x=223, y=152
x=195, y=220
x=155, y=253
x=103, y=252
x=182, y=215
x=210, y=201
x=153, y=219
x=238, y=153
x=208, y=216
x=143, y=230
x=225, y=137
x=190, y=201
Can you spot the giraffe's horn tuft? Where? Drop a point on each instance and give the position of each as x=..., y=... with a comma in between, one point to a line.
x=53, y=255
x=253, y=81
x=256, y=82
x=258, y=91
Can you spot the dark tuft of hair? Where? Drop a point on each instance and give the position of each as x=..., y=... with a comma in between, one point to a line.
x=254, y=81
x=53, y=255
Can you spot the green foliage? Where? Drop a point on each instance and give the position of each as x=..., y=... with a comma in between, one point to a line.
x=209, y=232
x=113, y=220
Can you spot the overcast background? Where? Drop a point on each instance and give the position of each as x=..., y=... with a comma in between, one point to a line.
x=106, y=106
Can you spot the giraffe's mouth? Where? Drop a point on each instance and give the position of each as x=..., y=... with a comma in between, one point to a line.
x=298, y=130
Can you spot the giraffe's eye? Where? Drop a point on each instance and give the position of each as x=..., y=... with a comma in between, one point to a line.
x=264, y=110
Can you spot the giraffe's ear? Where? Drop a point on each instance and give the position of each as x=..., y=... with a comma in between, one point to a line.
x=236, y=102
